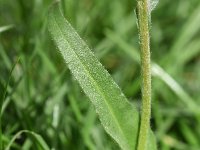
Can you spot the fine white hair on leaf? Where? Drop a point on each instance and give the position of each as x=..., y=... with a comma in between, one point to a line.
x=152, y=5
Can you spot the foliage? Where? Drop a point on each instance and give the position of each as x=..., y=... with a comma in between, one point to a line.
x=43, y=97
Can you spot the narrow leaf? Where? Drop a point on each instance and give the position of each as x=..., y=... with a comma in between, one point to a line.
x=2, y=99
x=119, y=118
x=152, y=4
x=39, y=140
x=5, y=28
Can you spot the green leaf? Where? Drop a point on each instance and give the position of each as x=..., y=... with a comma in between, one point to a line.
x=39, y=140
x=5, y=28
x=151, y=143
x=152, y=4
x=119, y=118
x=2, y=99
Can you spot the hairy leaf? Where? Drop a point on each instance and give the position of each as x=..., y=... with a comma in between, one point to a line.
x=152, y=4
x=119, y=118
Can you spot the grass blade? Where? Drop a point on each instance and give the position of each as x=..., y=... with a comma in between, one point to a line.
x=157, y=71
x=36, y=136
x=119, y=118
x=2, y=99
x=5, y=28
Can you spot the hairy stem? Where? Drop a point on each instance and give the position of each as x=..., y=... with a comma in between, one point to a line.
x=143, y=23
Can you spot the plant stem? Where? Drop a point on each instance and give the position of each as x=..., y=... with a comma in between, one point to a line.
x=143, y=23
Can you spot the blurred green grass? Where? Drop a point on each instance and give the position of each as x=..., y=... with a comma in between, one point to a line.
x=43, y=97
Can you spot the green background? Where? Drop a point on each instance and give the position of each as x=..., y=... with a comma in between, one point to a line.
x=43, y=97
